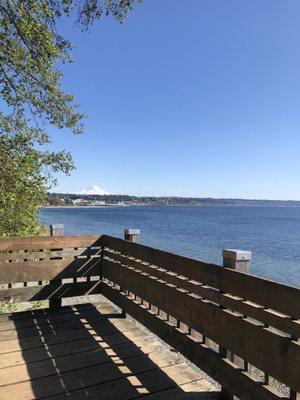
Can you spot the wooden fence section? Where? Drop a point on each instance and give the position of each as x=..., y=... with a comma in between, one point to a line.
x=255, y=320
x=50, y=267
x=240, y=329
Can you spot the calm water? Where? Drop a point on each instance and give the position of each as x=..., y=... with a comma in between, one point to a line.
x=271, y=233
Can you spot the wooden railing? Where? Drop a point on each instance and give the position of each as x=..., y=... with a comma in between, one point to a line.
x=241, y=330
x=49, y=268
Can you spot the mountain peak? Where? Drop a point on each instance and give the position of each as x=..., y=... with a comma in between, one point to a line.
x=93, y=189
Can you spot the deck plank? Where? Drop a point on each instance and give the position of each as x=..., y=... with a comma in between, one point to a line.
x=53, y=318
x=86, y=352
x=67, y=325
x=72, y=346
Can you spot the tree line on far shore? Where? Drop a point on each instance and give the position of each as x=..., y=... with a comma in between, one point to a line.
x=65, y=199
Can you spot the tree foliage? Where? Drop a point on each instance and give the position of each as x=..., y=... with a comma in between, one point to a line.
x=31, y=49
x=22, y=187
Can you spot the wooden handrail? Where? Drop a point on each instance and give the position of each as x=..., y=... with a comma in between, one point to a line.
x=70, y=265
x=253, y=318
x=47, y=242
x=271, y=294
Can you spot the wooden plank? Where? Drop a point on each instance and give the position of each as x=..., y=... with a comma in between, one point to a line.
x=96, y=355
x=227, y=329
x=89, y=376
x=39, y=374
x=134, y=386
x=39, y=331
x=20, y=315
x=196, y=390
x=32, y=271
x=50, y=319
x=101, y=306
x=285, y=299
x=55, y=290
x=30, y=255
x=260, y=313
x=74, y=345
x=49, y=242
x=236, y=381
x=99, y=324
x=66, y=333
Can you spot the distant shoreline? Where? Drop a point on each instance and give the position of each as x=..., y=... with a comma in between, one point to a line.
x=102, y=206
x=174, y=205
x=118, y=200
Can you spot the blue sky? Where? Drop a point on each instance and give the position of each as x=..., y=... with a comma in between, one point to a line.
x=189, y=98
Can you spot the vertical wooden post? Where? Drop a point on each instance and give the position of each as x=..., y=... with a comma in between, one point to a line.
x=239, y=261
x=132, y=235
x=56, y=230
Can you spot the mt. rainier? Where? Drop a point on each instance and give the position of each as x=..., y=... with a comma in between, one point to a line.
x=93, y=189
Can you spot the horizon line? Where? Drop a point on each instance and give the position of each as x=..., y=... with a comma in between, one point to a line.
x=173, y=196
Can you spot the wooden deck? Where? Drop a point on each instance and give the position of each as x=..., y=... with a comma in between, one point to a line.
x=241, y=330
x=90, y=351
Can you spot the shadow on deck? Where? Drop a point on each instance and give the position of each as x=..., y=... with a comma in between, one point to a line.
x=90, y=351
x=228, y=323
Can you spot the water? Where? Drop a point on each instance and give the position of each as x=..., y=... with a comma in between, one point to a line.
x=271, y=233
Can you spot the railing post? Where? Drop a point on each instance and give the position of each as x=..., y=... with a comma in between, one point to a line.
x=132, y=235
x=239, y=261
x=56, y=230
x=236, y=259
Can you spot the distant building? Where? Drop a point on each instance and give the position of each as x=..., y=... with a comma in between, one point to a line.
x=78, y=202
x=96, y=203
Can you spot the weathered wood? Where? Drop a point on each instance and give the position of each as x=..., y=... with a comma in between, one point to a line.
x=255, y=319
x=43, y=270
x=23, y=315
x=224, y=327
x=140, y=381
x=57, y=230
x=132, y=235
x=271, y=294
x=189, y=391
x=72, y=345
x=98, y=364
x=220, y=369
x=32, y=334
x=237, y=260
x=48, y=254
x=63, y=333
x=94, y=354
x=49, y=242
x=53, y=318
x=255, y=311
x=55, y=290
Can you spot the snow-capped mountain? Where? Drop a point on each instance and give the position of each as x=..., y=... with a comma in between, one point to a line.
x=93, y=189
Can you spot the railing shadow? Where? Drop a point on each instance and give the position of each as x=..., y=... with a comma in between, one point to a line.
x=80, y=277
x=79, y=352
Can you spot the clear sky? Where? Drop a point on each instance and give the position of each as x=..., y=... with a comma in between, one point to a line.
x=189, y=98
